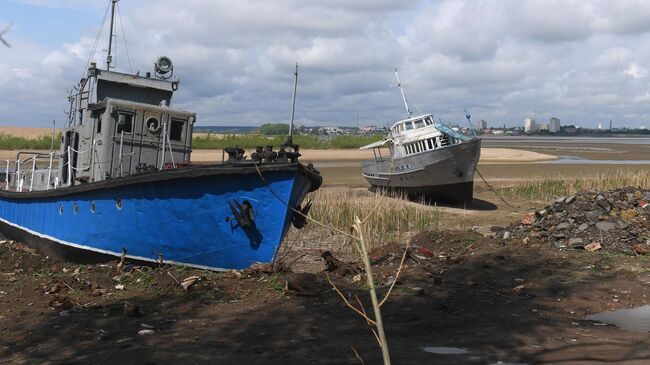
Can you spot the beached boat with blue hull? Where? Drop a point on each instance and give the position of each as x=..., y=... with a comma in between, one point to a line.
x=123, y=185
x=177, y=215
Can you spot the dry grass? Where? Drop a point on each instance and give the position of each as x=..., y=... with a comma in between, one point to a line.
x=391, y=218
x=551, y=188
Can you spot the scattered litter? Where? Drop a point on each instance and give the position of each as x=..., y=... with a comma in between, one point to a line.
x=119, y=286
x=594, y=246
x=189, y=281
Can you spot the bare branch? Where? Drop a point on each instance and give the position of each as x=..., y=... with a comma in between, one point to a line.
x=399, y=270
x=357, y=355
x=362, y=314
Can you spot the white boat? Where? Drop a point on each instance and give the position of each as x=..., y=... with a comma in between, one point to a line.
x=427, y=159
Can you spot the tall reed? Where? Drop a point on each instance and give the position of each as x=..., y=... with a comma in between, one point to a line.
x=9, y=142
x=389, y=218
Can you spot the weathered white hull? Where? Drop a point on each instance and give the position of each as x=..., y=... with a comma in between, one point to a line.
x=444, y=174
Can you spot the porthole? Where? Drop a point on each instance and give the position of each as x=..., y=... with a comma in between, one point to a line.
x=60, y=209
x=118, y=203
x=75, y=208
x=153, y=125
x=92, y=206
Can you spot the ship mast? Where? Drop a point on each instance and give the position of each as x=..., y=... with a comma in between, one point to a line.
x=109, y=56
x=293, y=106
x=406, y=105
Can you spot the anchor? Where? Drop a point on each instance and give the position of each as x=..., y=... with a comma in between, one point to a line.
x=242, y=213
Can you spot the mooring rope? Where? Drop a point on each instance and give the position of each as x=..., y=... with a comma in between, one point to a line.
x=493, y=190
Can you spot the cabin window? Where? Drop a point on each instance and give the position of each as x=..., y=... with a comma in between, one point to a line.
x=176, y=130
x=428, y=121
x=409, y=125
x=419, y=123
x=124, y=123
x=99, y=123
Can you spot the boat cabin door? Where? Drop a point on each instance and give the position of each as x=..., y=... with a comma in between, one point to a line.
x=69, y=155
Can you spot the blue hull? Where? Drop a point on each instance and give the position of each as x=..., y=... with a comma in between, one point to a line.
x=180, y=216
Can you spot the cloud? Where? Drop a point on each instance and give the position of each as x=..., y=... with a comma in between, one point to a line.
x=578, y=60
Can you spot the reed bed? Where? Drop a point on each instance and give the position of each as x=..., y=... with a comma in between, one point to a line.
x=551, y=188
x=10, y=142
x=388, y=218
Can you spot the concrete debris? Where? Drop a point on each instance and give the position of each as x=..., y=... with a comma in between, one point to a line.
x=617, y=220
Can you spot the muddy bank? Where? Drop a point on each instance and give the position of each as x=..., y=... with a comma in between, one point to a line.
x=501, y=300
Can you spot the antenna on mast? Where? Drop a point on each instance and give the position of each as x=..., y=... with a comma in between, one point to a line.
x=293, y=106
x=109, y=56
x=406, y=105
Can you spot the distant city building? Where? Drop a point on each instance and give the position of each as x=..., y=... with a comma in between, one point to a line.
x=554, y=125
x=600, y=125
x=542, y=127
x=482, y=124
x=529, y=125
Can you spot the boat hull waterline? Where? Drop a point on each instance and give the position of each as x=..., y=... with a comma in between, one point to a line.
x=182, y=216
x=444, y=174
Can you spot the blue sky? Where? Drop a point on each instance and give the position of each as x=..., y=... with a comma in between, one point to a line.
x=49, y=25
x=580, y=60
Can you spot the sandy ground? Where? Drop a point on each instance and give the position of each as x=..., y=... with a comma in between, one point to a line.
x=487, y=155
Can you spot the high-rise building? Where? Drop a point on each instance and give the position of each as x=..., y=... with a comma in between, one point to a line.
x=482, y=124
x=554, y=125
x=529, y=125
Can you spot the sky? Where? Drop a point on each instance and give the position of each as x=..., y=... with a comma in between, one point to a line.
x=583, y=61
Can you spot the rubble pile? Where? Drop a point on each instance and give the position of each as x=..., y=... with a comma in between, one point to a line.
x=615, y=221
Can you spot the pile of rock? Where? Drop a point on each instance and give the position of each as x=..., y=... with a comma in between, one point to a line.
x=617, y=220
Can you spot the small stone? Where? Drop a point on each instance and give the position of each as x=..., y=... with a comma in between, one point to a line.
x=64, y=313
x=570, y=199
x=559, y=235
x=605, y=226
x=559, y=207
x=560, y=199
x=146, y=332
x=628, y=214
x=563, y=225
x=583, y=227
x=541, y=213
x=418, y=290
x=593, y=214
x=506, y=235
x=576, y=242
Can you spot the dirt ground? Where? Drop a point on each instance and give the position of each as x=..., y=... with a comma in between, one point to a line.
x=505, y=301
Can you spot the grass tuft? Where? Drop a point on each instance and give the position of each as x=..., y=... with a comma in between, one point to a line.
x=393, y=219
x=551, y=188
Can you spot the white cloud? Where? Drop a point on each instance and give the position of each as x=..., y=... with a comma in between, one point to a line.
x=636, y=71
x=579, y=60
